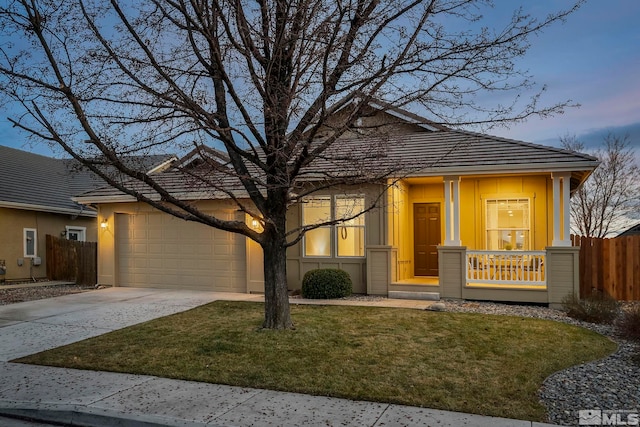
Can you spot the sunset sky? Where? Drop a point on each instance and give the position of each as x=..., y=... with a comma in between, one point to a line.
x=592, y=59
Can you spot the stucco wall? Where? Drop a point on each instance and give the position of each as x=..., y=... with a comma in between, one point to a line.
x=12, y=225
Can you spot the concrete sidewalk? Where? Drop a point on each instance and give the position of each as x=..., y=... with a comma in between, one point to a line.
x=77, y=397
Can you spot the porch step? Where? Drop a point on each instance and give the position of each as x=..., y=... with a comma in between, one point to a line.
x=430, y=296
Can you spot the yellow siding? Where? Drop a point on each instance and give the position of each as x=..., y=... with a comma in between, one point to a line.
x=399, y=227
x=12, y=224
x=473, y=192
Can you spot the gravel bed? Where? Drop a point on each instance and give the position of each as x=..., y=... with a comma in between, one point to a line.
x=608, y=384
x=31, y=293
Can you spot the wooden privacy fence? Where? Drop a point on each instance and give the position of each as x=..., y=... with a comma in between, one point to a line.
x=72, y=260
x=610, y=265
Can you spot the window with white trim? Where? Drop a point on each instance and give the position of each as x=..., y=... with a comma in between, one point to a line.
x=508, y=224
x=345, y=239
x=76, y=233
x=30, y=240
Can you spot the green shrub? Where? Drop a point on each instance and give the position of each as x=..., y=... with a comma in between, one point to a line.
x=599, y=307
x=326, y=283
x=628, y=324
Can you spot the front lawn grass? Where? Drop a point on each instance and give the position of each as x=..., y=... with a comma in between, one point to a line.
x=483, y=364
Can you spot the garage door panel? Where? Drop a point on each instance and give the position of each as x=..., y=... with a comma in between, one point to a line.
x=170, y=234
x=157, y=250
x=221, y=235
x=205, y=251
x=170, y=249
x=139, y=234
x=222, y=250
x=156, y=234
x=154, y=220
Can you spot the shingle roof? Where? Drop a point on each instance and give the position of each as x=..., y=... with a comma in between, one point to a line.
x=35, y=182
x=465, y=152
x=632, y=231
x=179, y=184
x=444, y=152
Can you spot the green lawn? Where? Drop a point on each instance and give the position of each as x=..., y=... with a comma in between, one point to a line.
x=491, y=365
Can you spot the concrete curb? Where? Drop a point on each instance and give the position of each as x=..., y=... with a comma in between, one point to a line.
x=80, y=415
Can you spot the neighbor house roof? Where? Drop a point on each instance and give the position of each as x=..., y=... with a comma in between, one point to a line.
x=429, y=153
x=633, y=231
x=34, y=182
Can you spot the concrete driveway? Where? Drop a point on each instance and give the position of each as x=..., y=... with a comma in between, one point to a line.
x=34, y=326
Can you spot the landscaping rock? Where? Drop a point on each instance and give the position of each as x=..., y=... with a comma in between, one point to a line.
x=438, y=306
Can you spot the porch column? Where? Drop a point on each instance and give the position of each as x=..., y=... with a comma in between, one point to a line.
x=561, y=209
x=452, y=211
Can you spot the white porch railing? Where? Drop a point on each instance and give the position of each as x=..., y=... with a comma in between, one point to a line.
x=506, y=267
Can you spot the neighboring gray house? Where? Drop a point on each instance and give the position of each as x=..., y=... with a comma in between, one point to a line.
x=35, y=200
x=633, y=231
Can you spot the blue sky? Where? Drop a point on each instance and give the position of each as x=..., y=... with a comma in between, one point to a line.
x=592, y=59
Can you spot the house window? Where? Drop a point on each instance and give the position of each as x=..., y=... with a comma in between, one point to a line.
x=350, y=234
x=342, y=240
x=76, y=233
x=317, y=242
x=508, y=225
x=30, y=242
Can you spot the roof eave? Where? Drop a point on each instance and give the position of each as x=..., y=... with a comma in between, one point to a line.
x=80, y=211
x=125, y=198
x=88, y=200
x=586, y=166
x=163, y=166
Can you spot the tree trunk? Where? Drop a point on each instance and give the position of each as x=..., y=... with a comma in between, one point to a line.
x=276, y=296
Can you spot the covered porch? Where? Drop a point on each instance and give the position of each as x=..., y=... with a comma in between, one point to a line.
x=476, y=257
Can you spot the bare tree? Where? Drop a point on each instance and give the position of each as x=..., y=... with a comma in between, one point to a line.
x=260, y=80
x=611, y=194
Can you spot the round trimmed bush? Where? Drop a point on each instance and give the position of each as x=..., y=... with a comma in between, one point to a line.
x=326, y=283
